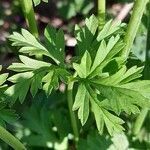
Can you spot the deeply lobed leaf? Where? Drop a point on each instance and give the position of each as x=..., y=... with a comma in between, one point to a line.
x=108, y=91
x=30, y=45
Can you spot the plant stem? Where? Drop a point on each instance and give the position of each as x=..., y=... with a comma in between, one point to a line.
x=10, y=139
x=133, y=25
x=72, y=114
x=27, y=7
x=101, y=13
x=140, y=119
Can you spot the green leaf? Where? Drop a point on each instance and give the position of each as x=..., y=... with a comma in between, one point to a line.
x=51, y=81
x=104, y=55
x=28, y=64
x=113, y=79
x=7, y=115
x=37, y=2
x=67, y=10
x=142, y=87
x=63, y=75
x=41, y=122
x=20, y=89
x=102, y=116
x=80, y=96
x=98, y=117
x=30, y=45
x=36, y=84
x=119, y=96
x=3, y=78
x=32, y=74
x=94, y=141
x=86, y=35
x=55, y=44
x=82, y=104
x=132, y=74
x=120, y=77
x=27, y=41
x=109, y=29
x=83, y=69
x=108, y=82
x=29, y=77
x=91, y=24
x=22, y=83
x=70, y=8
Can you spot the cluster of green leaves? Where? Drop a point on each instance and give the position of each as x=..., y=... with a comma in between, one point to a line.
x=104, y=82
x=35, y=74
x=70, y=8
x=105, y=85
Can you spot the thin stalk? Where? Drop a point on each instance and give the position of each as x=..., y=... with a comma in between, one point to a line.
x=140, y=119
x=133, y=25
x=72, y=114
x=27, y=7
x=10, y=139
x=101, y=13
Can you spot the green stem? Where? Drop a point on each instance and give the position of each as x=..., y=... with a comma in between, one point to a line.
x=27, y=7
x=101, y=13
x=72, y=114
x=10, y=139
x=140, y=119
x=133, y=25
